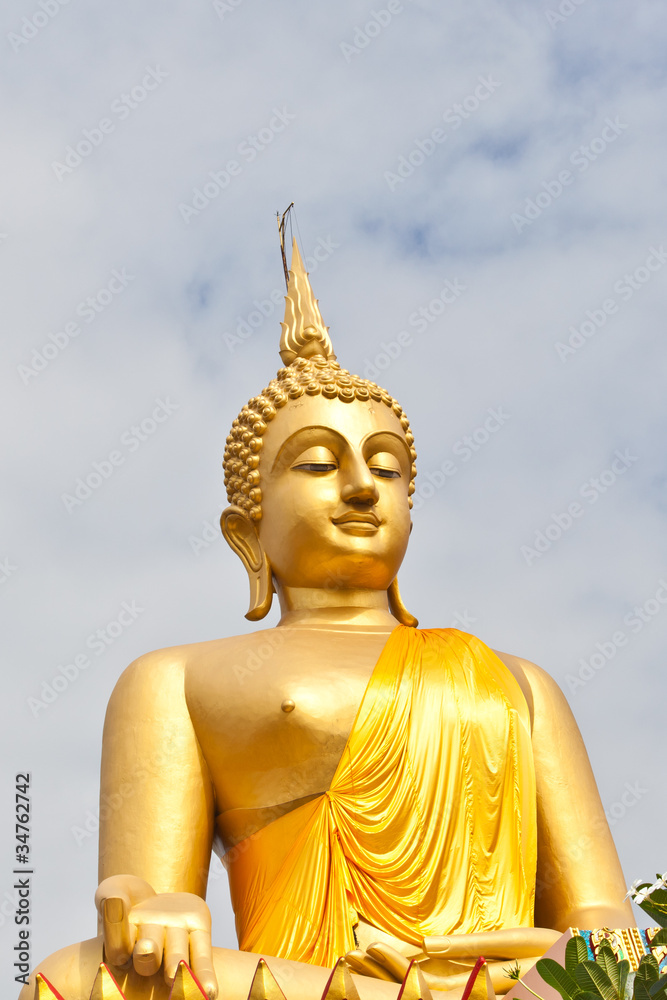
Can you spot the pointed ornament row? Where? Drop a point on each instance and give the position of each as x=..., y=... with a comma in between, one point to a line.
x=264, y=986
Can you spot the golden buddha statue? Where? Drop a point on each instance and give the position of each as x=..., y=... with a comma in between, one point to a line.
x=375, y=790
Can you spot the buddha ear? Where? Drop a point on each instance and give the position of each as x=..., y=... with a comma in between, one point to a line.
x=397, y=608
x=241, y=535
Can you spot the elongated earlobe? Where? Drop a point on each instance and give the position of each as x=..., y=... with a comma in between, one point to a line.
x=397, y=608
x=261, y=592
x=241, y=535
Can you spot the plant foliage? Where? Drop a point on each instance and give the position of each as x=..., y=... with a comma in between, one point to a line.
x=652, y=899
x=606, y=978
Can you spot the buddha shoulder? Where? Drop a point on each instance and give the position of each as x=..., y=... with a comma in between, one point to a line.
x=542, y=693
x=162, y=674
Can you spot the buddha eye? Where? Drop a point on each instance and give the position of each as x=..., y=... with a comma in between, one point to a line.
x=384, y=473
x=316, y=466
x=317, y=459
x=384, y=465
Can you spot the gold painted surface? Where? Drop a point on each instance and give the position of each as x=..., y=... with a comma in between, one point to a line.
x=436, y=778
x=479, y=987
x=414, y=985
x=319, y=470
x=105, y=986
x=44, y=989
x=304, y=334
x=341, y=985
x=519, y=943
x=264, y=985
x=186, y=986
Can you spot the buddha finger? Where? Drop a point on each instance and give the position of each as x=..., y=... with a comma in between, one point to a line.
x=147, y=954
x=390, y=959
x=176, y=950
x=201, y=954
x=118, y=933
x=360, y=962
x=513, y=942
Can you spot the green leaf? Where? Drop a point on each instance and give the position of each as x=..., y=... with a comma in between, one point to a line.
x=591, y=974
x=648, y=969
x=555, y=975
x=640, y=991
x=655, y=904
x=656, y=911
x=660, y=938
x=660, y=985
x=576, y=951
x=607, y=961
x=623, y=972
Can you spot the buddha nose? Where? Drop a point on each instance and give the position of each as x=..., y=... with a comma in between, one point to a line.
x=360, y=486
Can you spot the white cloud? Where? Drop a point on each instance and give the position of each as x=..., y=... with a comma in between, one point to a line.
x=494, y=347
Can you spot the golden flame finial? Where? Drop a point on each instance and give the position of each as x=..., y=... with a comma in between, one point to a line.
x=304, y=333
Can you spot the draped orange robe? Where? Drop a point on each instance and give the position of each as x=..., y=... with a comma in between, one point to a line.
x=429, y=825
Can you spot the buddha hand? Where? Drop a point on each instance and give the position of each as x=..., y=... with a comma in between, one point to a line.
x=522, y=944
x=149, y=927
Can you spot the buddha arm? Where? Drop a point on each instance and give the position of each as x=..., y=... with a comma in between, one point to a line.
x=579, y=877
x=156, y=815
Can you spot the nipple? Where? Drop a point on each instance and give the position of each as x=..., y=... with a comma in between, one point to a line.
x=288, y=705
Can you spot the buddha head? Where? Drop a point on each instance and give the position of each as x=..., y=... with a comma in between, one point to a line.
x=319, y=470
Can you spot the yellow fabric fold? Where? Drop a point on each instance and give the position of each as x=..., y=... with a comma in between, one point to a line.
x=429, y=824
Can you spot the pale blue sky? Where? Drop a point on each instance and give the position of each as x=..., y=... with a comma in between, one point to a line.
x=163, y=333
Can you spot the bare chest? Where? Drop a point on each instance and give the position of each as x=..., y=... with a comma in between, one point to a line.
x=272, y=720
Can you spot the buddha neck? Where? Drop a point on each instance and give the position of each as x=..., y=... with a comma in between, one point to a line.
x=304, y=607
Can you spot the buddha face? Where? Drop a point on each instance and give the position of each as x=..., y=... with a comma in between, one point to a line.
x=335, y=480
